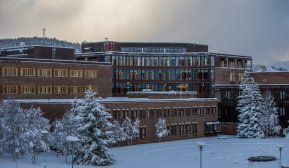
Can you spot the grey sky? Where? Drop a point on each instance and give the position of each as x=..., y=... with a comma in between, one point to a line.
x=259, y=28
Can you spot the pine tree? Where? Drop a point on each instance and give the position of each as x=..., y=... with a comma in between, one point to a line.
x=270, y=118
x=128, y=129
x=249, y=106
x=14, y=127
x=118, y=132
x=161, y=128
x=136, y=126
x=35, y=123
x=94, y=128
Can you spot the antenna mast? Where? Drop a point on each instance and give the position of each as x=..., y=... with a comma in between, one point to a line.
x=43, y=32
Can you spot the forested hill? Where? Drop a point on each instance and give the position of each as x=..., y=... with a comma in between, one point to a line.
x=38, y=41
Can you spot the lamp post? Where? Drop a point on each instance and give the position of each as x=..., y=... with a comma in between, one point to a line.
x=201, y=145
x=280, y=155
x=72, y=140
x=44, y=136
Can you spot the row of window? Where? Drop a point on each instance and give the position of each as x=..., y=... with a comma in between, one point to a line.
x=175, y=129
x=167, y=61
x=123, y=87
x=163, y=112
x=153, y=49
x=230, y=63
x=163, y=74
x=13, y=71
x=28, y=89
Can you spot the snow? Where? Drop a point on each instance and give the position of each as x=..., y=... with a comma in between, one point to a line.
x=218, y=153
x=72, y=139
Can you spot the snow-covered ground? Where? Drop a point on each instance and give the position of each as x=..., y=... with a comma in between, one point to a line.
x=224, y=152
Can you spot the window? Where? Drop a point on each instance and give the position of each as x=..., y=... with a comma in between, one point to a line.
x=76, y=89
x=240, y=77
x=28, y=72
x=76, y=73
x=188, y=129
x=181, y=129
x=159, y=112
x=166, y=112
x=151, y=113
x=282, y=111
x=142, y=132
x=28, y=89
x=227, y=95
x=60, y=89
x=124, y=113
x=9, y=71
x=10, y=89
x=60, y=72
x=134, y=114
x=282, y=95
x=90, y=74
x=44, y=72
x=44, y=89
x=173, y=130
x=232, y=76
x=142, y=113
x=194, y=128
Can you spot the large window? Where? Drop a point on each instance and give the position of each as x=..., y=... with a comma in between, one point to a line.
x=60, y=72
x=76, y=73
x=9, y=71
x=60, y=90
x=10, y=89
x=44, y=89
x=44, y=72
x=28, y=89
x=90, y=74
x=28, y=72
x=76, y=89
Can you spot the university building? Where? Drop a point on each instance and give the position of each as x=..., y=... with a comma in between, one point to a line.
x=193, y=89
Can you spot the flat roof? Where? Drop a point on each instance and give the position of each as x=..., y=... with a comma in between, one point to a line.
x=114, y=99
x=156, y=53
x=17, y=59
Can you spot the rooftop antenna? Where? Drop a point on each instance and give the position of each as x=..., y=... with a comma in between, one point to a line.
x=44, y=32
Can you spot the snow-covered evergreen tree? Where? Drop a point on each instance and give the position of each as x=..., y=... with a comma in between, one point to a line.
x=249, y=106
x=35, y=123
x=94, y=129
x=135, y=127
x=128, y=129
x=118, y=132
x=270, y=120
x=161, y=128
x=14, y=127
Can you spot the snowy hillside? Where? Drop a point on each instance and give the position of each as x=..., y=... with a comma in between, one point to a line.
x=38, y=41
x=264, y=68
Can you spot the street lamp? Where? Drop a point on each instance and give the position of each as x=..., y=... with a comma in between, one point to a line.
x=201, y=145
x=280, y=152
x=44, y=136
x=72, y=140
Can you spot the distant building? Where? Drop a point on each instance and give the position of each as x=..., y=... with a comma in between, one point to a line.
x=39, y=52
x=162, y=66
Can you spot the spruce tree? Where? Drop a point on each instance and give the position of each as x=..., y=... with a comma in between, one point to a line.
x=270, y=118
x=94, y=129
x=161, y=128
x=249, y=106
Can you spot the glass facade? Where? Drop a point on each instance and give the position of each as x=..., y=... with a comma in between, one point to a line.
x=162, y=72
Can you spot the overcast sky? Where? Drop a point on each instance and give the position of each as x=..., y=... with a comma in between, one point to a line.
x=258, y=28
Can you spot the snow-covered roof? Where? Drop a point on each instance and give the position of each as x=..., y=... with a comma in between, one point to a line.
x=113, y=99
x=52, y=60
